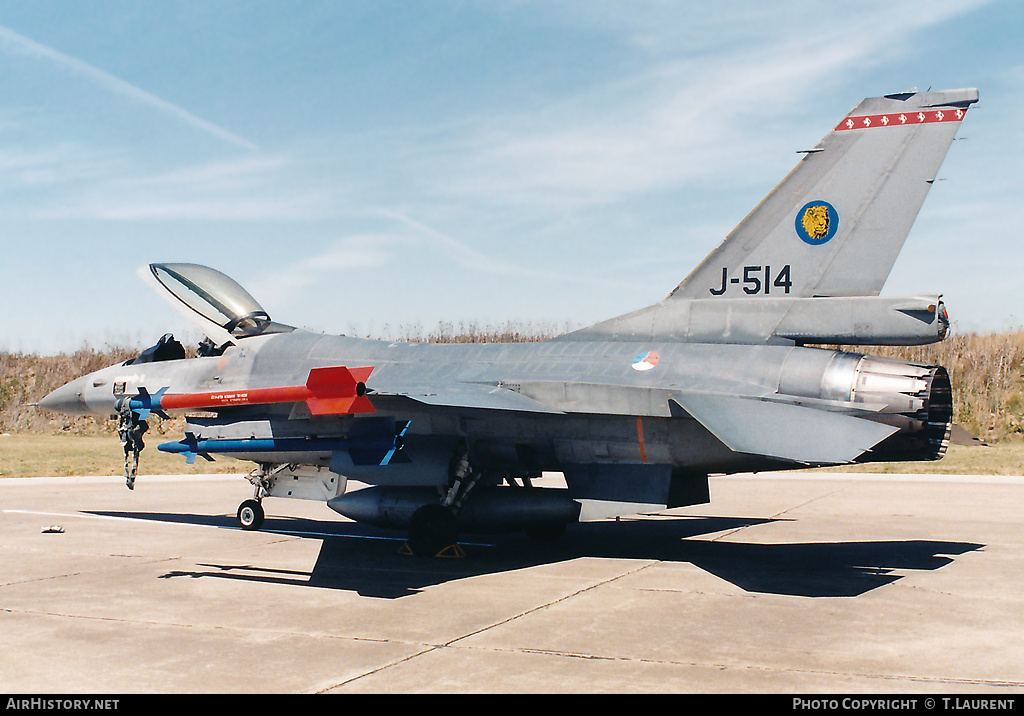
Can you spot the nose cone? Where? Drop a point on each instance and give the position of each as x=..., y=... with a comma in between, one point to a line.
x=68, y=399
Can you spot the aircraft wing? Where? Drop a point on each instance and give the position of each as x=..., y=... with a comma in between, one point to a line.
x=745, y=424
x=784, y=430
x=480, y=396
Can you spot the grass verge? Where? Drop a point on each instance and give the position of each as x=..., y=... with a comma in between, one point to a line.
x=31, y=455
x=62, y=455
x=1003, y=458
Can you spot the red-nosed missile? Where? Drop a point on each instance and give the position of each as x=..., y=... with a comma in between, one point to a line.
x=328, y=391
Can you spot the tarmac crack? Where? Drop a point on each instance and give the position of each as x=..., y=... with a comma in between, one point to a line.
x=910, y=678
x=453, y=643
x=552, y=603
x=816, y=498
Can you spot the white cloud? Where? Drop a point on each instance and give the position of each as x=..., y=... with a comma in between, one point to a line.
x=16, y=44
x=63, y=163
x=352, y=253
x=249, y=188
x=681, y=121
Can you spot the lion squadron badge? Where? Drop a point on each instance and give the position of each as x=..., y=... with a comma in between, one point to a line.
x=817, y=222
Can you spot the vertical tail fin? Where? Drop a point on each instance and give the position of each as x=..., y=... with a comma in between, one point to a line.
x=836, y=224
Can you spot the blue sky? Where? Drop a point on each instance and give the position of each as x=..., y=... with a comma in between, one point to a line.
x=366, y=166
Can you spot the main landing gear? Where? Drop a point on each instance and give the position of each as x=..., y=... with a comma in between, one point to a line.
x=432, y=531
x=433, y=528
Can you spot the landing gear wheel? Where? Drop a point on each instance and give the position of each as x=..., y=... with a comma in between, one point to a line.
x=250, y=515
x=431, y=529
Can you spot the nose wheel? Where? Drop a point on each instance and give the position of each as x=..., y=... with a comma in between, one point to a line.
x=250, y=515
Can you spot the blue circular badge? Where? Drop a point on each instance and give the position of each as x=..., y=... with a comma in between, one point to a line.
x=817, y=222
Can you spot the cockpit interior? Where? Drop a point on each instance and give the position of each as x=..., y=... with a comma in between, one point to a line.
x=224, y=310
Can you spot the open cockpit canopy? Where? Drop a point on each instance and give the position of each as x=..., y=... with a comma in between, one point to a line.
x=226, y=310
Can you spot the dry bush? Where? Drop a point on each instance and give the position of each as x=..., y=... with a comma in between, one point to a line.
x=987, y=373
x=473, y=332
x=25, y=378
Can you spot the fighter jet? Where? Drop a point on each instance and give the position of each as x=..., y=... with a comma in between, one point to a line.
x=727, y=374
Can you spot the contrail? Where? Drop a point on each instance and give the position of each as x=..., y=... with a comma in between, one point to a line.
x=15, y=44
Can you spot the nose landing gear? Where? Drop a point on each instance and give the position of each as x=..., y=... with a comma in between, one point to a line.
x=250, y=515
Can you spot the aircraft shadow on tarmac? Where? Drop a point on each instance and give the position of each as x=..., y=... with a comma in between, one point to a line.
x=369, y=562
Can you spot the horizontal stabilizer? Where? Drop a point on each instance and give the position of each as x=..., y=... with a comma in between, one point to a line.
x=784, y=430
